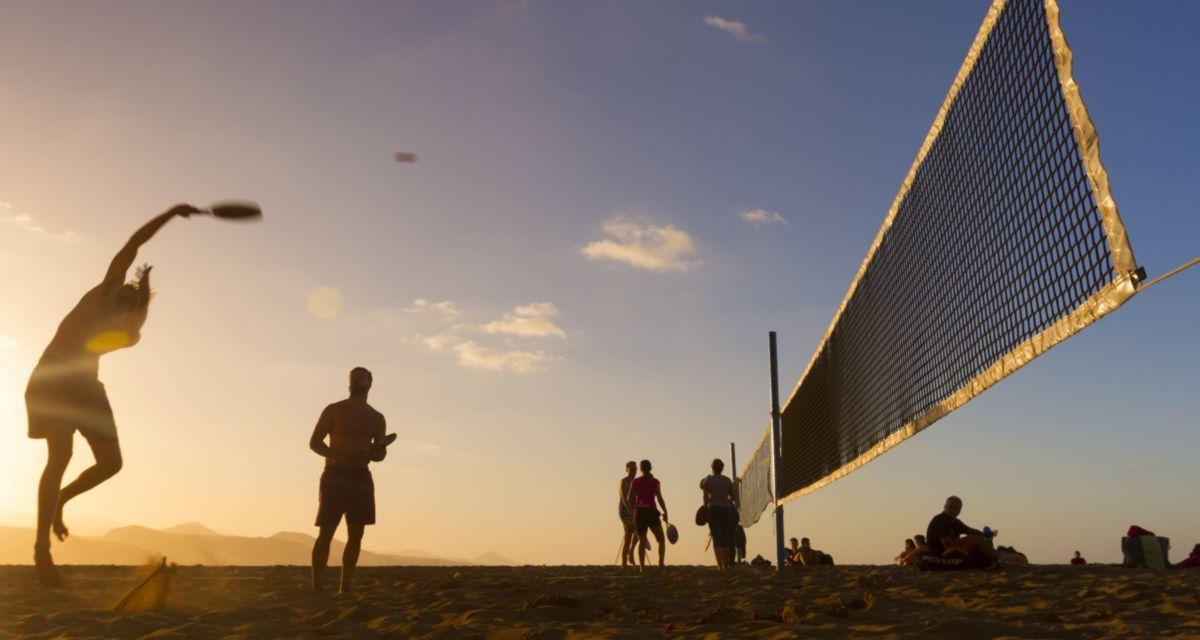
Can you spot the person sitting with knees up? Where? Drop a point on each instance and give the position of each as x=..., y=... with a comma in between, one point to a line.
x=947, y=535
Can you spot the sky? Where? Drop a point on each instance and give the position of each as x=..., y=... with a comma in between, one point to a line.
x=612, y=204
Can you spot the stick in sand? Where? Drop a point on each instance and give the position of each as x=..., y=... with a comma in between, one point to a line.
x=129, y=596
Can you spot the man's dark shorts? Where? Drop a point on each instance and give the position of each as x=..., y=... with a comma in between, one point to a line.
x=61, y=395
x=346, y=492
x=721, y=526
x=647, y=518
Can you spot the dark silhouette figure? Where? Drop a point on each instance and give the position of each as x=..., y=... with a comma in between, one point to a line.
x=65, y=394
x=625, y=511
x=643, y=492
x=355, y=431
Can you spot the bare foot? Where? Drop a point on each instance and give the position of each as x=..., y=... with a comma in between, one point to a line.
x=60, y=530
x=47, y=573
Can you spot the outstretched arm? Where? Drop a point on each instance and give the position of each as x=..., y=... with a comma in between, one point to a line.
x=125, y=257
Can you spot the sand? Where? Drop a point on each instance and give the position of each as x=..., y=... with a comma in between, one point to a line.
x=579, y=602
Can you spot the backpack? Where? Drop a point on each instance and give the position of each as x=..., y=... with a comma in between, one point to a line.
x=1146, y=552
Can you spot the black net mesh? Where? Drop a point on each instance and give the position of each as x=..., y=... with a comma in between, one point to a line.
x=998, y=237
x=754, y=485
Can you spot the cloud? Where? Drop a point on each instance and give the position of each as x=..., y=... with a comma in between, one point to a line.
x=7, y=342
x=445, y=308
x=641, y=244
x=475, y=356
x=439, y=341
x=759, y=217
x=447, y=328
x=528, y=321
x=734, y=28
x=25, y=222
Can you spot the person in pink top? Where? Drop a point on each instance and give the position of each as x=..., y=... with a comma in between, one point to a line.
x=643, y=492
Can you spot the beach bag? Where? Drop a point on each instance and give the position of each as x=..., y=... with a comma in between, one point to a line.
x=1012, y=559
x=701, y=516
x=1146, y=552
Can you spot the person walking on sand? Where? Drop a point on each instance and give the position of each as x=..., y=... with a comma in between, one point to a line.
x=643, y=492
x=65, y=394
x=355, y=430
x=719, y=501
x=625, y=511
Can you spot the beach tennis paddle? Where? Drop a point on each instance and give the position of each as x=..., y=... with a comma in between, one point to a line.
x=672, y=533
x=241, y=211
x=381, y=444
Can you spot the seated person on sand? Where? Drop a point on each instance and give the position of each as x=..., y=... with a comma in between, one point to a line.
x=910, y=550
x=947, y=535
x=809, y=556
x=1078, y=559
x=792, y=554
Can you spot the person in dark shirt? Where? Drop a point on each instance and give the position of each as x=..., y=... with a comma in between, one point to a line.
x=1078, y=559
x=946, y=532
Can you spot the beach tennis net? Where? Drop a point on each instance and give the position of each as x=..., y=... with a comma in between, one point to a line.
x=1002, y=241
x=754, y=484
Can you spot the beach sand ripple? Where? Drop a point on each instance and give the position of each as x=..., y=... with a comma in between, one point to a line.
x=560, y=603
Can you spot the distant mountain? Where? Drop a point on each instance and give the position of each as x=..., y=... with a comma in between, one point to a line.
x=191, y=528
x=136, y=545
x=492, y=558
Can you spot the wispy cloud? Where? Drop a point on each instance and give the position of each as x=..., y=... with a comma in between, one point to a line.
x=641, y=244
x=25, y=222
x=474, y=356
x=445, y=308
x=734, y=28
x=497, y=345
x=530, y=321
x=759, y=217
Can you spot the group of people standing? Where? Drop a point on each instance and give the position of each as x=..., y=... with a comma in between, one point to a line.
x=638, y=507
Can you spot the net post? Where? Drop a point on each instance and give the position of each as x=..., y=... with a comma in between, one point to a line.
x=775, y=454
x=737, y=499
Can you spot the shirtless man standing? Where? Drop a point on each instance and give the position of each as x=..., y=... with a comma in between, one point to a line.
x=65, y=394
x=354, y=428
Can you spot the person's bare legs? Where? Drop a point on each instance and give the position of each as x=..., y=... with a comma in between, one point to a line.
x=108, y=462
x=320, y=554
x=59, y=447
x=662, y=544
x=642, y=542
x=627, y=548
x=354, y=533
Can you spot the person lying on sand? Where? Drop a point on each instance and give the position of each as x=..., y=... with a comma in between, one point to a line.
x=1078, y=559
x=717, y=490
x=625, y=511
x=1192, y=561
x=355, y=430
x=65, y=394
x=643, y=492
x=947, y=534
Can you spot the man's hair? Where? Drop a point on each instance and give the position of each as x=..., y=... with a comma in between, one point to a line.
x=794, y=540
x=631, y=463
x=954, y=499
x=919, y=538
x=646, y=466
x=364, y=370
x=717, y=465
x=803, y=540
